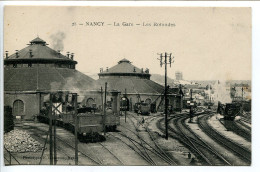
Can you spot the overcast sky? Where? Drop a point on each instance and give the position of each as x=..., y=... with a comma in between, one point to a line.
x=207, y=43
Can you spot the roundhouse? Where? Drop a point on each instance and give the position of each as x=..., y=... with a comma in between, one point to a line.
x=37, y=70
x=135, y=83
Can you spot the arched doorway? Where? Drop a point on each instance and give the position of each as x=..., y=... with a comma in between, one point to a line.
x=124, y=104
x=148, y=101
x=18, y=108
x=90, y=102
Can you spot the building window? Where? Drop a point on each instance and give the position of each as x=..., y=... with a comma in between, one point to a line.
x=18, y=108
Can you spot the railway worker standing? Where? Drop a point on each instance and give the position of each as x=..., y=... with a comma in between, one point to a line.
x=142, y=120
x=189, y=155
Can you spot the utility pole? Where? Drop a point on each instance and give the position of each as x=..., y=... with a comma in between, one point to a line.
x=105, y=106
x=190, y=104
x=126, y=106
x=54, y=141
x=102, y=105
x=242, y=93
x=50, y=130
x=181, y=93
x=168, y=59
x=75, y=97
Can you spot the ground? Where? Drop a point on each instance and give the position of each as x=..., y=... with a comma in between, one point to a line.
x=118, y=149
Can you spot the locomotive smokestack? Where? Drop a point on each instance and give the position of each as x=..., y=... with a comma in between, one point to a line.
x=6, y=54
x=68, y=54
x=16, y=53
x=72, y=56
x=30, y=53
x=58, y=53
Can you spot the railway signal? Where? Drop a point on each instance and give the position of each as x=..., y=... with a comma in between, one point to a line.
x=168, y=59
x=55, y=108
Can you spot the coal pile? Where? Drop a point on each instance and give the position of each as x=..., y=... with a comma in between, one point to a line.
x=21, y=141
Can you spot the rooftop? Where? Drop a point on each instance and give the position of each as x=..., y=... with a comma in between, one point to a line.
x=38, y=50
x=125, y=68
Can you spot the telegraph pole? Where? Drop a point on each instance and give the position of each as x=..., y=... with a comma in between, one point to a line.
x=54, y=140
x=105, y=106
x=168, y=59
x=242, y=93
x=126, y=106
x=50, y=130
x=190, y=103
x=102, y=105
x=76, y=127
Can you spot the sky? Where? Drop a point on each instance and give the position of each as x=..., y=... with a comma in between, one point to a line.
x=207, y=43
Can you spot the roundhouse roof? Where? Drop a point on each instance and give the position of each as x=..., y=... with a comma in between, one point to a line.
x=43, y=77
x=124, y=66
x=46, y=79
x=39, y=51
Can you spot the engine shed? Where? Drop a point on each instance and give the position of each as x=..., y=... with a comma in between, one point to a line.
x=37, y=70
x=135, y=86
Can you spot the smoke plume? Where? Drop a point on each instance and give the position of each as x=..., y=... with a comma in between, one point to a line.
x=57, y=40
x=222, y=93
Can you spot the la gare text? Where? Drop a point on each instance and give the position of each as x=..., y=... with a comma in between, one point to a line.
x=125, y=24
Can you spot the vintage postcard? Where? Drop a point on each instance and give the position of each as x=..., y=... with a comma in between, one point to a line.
x=127, y=86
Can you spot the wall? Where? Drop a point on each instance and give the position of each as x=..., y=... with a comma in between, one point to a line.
x=31, y=103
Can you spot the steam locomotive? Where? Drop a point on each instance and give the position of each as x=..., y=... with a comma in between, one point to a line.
x=142, y=108
x=229, y=110
x=91, y=122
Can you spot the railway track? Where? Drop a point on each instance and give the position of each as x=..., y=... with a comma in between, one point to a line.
x=187, y=137
x=70, y=143
x=242, y=153
x=246, y=120
x=134, y=148
x=211, y=156
x=155, y=149
x=120, y=162
x=244, y=125
x=232, y=126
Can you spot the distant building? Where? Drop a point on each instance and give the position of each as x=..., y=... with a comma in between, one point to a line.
x=136, y=82
x=178, y=75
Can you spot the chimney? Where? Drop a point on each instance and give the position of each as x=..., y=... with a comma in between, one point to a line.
x=72, y=56
x=68, y=54
x=30, y=53
x=59, y=53
x=6, y=54
x=17, y=55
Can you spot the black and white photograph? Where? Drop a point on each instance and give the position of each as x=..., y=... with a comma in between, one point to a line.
x=127, y=86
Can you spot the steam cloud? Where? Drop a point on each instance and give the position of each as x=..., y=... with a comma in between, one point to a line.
x=221, y=93
x=57, y=40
